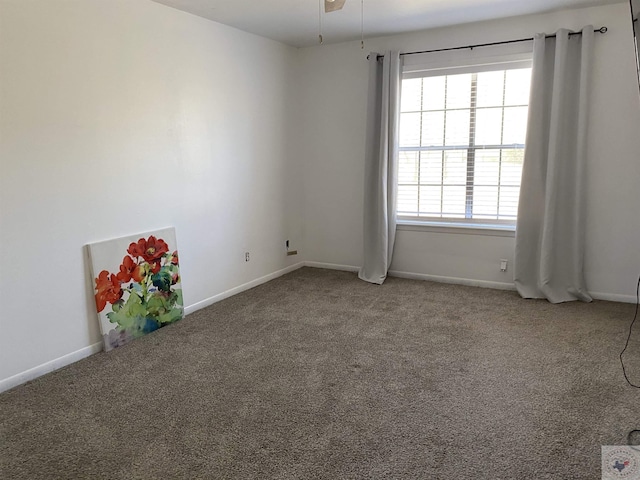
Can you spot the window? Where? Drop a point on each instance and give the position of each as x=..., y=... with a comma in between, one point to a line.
x=462, y=140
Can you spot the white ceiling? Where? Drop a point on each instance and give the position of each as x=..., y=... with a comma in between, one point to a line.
x=295, y=22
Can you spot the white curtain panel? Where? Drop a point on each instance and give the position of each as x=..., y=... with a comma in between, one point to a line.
x=549, y=255
x=381, y=166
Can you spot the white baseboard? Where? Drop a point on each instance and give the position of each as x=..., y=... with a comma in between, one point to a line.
x=332, y=266
x=241, y=288
x=49, y=367
x=613, y=297
x=454, y=280
x=420, y=276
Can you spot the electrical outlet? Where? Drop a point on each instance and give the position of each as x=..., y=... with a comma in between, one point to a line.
x=290, y=252
x=503, y=264
x=246, y=256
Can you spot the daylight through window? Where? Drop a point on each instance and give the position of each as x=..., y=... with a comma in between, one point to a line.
x=462, y=140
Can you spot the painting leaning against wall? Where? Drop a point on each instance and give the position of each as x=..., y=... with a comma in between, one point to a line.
x=136, y=283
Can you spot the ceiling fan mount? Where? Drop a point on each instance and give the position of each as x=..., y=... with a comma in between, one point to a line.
x=333, y=5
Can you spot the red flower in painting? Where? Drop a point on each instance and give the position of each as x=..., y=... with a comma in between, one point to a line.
x=126, y=269
x=136, y=249
x=107, y=290
x=174, y=258
x=150, y=249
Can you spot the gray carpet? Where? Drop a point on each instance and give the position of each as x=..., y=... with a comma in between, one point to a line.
x=317, y=375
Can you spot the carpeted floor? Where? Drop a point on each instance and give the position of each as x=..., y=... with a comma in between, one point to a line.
x=318, y=375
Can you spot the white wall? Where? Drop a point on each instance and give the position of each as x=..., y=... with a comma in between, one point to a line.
x=332, y=120
x=121, y=116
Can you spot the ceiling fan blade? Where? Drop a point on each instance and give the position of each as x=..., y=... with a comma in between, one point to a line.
x=333, y=5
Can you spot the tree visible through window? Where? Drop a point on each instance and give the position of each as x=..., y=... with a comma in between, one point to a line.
x=462, y=140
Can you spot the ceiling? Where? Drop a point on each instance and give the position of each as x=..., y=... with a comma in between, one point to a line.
x=295, y=22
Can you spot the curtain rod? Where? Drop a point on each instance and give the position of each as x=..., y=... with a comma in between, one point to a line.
x=599, y=30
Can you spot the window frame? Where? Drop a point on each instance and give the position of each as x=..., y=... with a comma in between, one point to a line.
x=503, y=57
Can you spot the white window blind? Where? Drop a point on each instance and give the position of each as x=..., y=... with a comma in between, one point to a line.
x=462, y=140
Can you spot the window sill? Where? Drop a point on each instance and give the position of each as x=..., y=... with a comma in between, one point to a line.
x=491, y=230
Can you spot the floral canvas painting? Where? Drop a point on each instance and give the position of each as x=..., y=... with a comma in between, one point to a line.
x=136, y=284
